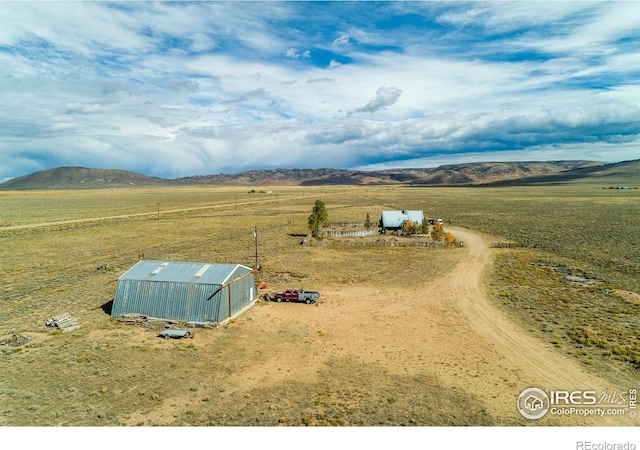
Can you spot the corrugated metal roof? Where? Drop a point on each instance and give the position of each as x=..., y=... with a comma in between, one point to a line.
x=395, y=219
x=184, y=290
x=187, y=272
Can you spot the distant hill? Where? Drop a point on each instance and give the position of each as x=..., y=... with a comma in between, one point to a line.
x=449, y=175
x=485, y=174
x=62, y=178
x=621, y=174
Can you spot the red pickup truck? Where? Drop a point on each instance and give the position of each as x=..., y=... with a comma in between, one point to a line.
x=297, y=295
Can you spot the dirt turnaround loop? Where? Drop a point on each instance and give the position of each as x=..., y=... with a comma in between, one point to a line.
x=448, y=329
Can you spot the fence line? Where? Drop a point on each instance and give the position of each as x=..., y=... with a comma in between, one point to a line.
x=346, y=224
x=328, y=243
x=351, y=233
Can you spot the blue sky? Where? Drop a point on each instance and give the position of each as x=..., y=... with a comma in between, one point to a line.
x=174, y=89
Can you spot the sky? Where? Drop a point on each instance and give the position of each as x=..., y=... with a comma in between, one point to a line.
x=174, y=89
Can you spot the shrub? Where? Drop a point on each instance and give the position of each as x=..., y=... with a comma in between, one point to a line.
x=437, y=233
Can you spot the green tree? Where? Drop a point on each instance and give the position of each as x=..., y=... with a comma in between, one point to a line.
x=318, y=218
x=424, y=226
x=367, y=222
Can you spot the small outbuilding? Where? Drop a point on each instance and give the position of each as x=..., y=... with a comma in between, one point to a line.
x=184, y=291
x=393, y=220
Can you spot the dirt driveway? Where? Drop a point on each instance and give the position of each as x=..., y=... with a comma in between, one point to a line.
x=448, y=329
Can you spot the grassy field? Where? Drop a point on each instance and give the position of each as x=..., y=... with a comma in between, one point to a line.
x=570, y=230
x=108, y=374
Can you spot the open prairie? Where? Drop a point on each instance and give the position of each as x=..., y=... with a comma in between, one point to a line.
x=402, y=336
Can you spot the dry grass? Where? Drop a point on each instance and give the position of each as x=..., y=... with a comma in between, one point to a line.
x=110, y=374
x=580, y=230
x=588, y=320
x=105, y=372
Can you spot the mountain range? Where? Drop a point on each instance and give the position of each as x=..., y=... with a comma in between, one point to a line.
x=484, y=173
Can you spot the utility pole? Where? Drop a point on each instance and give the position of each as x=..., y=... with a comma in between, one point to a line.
x=158, y=210
x=255, y=236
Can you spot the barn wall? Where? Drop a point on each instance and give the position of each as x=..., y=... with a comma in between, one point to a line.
x=223, y=312
x=170, y=300
x=242, y=293
x=185, y=300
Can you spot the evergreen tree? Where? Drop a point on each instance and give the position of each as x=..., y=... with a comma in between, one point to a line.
x=424, y=226
x=367, y=222
x=318, y=218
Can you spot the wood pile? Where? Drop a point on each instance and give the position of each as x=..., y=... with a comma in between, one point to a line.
x=16, y=340
x=157, y=323
x=194, y=324
x=133, y=319
x=63, y=322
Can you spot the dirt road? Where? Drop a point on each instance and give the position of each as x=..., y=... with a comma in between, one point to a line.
x=532, y=362
x=144, y=214
x=449, y=329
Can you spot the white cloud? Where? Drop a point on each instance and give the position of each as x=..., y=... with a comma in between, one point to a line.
x=201, y=41
x=173, y=88
x=589, y=152
x=385, y=96
x=84, y=108
x=342, y=39
x=79, y=27
x=294, y=54
x=504, y=17
x=598, y=34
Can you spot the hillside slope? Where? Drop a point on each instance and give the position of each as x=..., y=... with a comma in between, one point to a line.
x=450, y=175
x=621, y=174
x=468, y=174
x=81, y=178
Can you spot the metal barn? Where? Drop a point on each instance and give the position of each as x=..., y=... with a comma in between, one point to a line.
x=188, y=291
x=393, y=220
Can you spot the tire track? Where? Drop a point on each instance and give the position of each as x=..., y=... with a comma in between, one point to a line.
x=539, y=365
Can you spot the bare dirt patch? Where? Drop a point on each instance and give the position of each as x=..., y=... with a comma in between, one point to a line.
x=628, y=296
x=403, y=336
x=445, y=333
